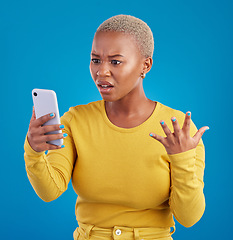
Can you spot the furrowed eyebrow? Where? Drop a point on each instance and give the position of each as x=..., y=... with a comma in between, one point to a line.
x=95, y=55
x=116, y=55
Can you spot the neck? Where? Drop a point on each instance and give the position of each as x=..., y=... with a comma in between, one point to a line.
x=129, y=106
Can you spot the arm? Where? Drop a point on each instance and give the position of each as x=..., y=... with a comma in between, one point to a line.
x=187, y=201
x=50, y=174
x=187, y=162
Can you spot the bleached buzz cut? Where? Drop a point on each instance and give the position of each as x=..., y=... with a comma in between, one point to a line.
x=133, y=26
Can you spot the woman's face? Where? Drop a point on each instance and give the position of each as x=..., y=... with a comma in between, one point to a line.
x=116, y=65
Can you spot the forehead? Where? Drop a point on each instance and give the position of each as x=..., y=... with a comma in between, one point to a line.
x=109, y=43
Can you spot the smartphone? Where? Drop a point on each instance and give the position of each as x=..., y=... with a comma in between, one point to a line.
x=45, y=102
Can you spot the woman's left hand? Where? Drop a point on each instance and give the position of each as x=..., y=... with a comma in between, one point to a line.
x=180, y=140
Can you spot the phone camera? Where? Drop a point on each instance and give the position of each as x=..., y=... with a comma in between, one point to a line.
x=35, y=94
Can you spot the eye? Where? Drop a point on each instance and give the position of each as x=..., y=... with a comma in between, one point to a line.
x=95, y=60
x=115, y=62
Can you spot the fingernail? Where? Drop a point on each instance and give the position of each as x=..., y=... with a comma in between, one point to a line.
x=62, y=146
x=65, y=134
x=151, y=134
x=207, y=128
x=162, y=122
x=62, y=126
x=189, y=113
x=174, y=119
x=52, y=114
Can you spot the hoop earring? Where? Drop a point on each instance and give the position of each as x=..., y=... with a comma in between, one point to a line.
x=143, y=75
x=97, y=73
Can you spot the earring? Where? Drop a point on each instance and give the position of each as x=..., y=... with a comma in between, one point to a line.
x=97, y=73
x=143, y=75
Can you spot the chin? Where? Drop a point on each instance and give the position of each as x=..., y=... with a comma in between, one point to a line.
x=108, y=98
x=112, y=97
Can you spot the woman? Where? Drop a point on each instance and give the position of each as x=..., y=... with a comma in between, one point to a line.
x=131, y=173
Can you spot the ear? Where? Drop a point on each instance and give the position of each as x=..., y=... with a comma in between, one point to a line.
x=147, y=64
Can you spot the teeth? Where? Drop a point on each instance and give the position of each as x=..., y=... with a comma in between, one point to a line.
x=105, y=86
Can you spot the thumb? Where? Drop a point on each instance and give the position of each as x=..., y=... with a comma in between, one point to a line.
x=33, y=114
x=199, y=133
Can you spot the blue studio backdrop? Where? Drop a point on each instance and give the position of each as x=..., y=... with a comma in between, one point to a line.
x=47, y=44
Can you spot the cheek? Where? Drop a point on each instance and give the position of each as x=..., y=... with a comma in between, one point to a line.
x=131, y=70
x=92, y=71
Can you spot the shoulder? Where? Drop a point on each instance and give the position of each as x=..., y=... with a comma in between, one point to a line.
x=83, y=110
x=167, y=111
x=90, y=108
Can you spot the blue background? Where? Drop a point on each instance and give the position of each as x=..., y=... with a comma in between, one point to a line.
x=47, y=44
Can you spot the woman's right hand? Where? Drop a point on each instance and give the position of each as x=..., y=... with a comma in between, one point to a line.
x=36, y=133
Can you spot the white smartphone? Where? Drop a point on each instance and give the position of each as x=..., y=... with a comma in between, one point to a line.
x=45, y=102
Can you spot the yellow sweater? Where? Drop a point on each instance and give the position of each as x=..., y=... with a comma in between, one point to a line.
x=122, y=176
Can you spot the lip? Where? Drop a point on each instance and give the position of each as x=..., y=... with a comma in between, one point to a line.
x=103, y=90
x=101, y=82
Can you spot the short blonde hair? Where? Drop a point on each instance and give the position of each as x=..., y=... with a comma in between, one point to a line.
x=133, y=26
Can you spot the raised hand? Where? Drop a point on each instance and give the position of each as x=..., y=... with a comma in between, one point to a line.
x=36, y=133
x=180, y=140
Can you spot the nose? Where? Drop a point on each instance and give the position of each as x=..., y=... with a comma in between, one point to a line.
x=103, y=70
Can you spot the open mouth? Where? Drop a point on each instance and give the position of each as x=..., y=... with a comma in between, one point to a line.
x=105, y=86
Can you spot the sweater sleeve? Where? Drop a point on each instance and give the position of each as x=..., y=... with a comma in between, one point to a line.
x=187, y=201
x=49, y=174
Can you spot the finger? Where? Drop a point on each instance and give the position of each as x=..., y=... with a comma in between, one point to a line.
x=51, y=128
x=165, y=128
x=157, y=137
x=53, y=147
x=187, y=122
x=41, y=147
x=199, y=134
x=51, y=137
x=42, y=120
x=176, y=126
